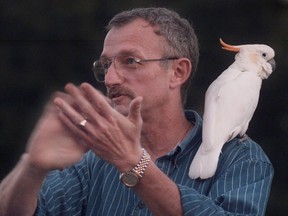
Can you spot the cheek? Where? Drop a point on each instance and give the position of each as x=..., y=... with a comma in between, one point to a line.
x=154, y=94
x=152, y=85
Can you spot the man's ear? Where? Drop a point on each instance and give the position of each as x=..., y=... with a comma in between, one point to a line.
x=181, y=72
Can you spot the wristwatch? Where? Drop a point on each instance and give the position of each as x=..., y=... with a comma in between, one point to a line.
x=132, y=177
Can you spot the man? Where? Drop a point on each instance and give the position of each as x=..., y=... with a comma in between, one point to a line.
x=140, y=134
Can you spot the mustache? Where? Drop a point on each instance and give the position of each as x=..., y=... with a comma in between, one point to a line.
x=116, y=91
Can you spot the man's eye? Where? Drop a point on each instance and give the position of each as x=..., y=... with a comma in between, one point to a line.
x=106, y=64
x=129, y=61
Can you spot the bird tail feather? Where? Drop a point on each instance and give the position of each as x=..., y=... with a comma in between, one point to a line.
x=204, y=164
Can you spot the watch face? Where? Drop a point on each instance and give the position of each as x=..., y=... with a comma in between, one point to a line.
x=130, y=179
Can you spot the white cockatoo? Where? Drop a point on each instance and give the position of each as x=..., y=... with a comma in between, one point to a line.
x=230, y=102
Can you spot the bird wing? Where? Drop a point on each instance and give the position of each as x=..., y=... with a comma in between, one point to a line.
x=230, y=102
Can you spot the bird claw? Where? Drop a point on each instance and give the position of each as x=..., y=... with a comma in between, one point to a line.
x=243, y=138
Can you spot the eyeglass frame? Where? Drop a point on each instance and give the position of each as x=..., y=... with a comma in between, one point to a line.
x=136, y=60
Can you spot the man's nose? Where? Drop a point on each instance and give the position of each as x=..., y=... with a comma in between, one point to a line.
x=113, y=77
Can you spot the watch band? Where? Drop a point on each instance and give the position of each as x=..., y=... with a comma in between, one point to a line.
x=132, y=177
x=142, y=164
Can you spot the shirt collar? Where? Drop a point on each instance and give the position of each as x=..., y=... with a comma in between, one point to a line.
x=193, y=137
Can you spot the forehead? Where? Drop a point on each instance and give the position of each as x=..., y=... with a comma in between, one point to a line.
x=137, y=37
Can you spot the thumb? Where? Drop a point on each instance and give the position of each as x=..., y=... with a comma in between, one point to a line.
x=135, y=109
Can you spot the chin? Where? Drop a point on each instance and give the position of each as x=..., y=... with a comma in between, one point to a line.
x=124, y=110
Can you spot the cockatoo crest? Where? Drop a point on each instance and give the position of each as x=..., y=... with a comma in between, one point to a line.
x=230, y=102
x=258, y=58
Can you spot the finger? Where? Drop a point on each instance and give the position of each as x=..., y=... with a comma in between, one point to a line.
x=99, y=102
x=135, y=110
x=95, y=114
x=73, y=120
x=90, y=89
x=64, y=96
x=79, y=134
x=82, y=103
x=50, y=106
x=69, y=111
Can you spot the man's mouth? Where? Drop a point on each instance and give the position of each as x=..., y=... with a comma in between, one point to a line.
x=116, y=96
x=115, y=93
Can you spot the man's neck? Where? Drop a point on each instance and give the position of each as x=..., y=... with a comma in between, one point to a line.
x=160, y=136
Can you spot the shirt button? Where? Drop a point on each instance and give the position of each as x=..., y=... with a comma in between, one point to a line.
x=141, y=205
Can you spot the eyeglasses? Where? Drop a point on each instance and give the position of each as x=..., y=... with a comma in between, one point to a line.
x=123, y=64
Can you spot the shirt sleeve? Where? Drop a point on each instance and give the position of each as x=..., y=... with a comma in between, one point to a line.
x=242, y=190
x=64, y=191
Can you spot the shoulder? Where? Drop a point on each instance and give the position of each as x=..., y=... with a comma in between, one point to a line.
x=242, y=151
x=245, y=148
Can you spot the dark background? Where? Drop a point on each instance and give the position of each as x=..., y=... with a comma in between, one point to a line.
x=45, y=44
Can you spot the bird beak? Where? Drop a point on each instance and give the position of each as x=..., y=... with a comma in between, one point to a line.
x=229, y=47
x=273, y=64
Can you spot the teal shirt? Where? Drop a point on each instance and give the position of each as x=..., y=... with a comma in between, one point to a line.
x=240, y=186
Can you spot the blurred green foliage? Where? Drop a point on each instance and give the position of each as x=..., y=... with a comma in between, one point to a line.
x=45, y=44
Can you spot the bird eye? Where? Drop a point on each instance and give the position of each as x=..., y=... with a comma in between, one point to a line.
x=264, y=55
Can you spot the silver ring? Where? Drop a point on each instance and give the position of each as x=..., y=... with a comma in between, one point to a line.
x=83, y=123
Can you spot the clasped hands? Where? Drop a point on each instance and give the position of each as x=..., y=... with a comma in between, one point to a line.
x=84, y=119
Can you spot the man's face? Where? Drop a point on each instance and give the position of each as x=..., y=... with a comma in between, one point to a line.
x=149, y=80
